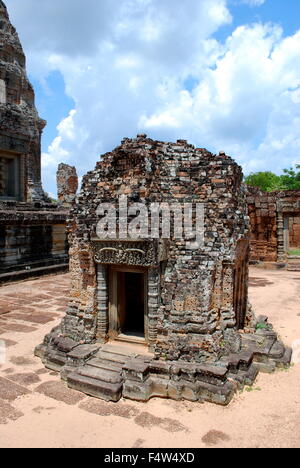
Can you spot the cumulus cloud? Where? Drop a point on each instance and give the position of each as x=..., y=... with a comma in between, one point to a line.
x=248, y=104
x=155, y=66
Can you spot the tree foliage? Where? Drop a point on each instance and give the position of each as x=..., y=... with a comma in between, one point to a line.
x=268, y=181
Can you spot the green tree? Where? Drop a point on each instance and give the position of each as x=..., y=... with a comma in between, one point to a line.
x=269, y=182
x=266, y=181
x=291, y=178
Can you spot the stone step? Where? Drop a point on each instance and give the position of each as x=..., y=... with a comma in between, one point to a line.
x=115, y=349
x=285, y=361
x=246, y=377
x=241, y=361
x=55, y=360
x=294, y=264
x=96, y=388
x=105, y=365
x=113, y=357
x=258, y=342
x=294, y=259
x=215, y=375
x=100, y=374
x=277, y=351
x=219, y=394
x=267, y=367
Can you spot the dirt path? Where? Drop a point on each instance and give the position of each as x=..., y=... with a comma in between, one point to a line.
x=37, y=410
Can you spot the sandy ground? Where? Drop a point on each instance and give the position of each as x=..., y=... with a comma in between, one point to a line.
x=37, y=410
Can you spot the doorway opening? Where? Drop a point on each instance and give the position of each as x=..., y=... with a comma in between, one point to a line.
x=128, y=304
x=10, y=186
x=240, y=281
x=292, y=234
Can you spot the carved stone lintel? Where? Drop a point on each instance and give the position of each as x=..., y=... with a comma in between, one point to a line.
x=144, y=253
x=288, y=206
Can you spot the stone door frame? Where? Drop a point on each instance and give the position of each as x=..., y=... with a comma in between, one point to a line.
x=114, y=330
x=240, y=282
x=103, y=306
x=285, y=209
x=128, y=253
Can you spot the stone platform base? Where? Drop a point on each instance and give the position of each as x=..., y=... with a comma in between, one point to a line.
x=291, y=264
x=110, y=372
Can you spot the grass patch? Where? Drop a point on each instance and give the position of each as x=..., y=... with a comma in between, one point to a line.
x=294, y=252
x=261, y=326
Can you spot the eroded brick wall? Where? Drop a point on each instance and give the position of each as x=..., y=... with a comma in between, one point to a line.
x=275, y=223
x=263, y=221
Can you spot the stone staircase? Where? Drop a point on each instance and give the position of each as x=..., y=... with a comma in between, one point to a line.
x=294, y=264
x=268, y=353
x=112, y=371
x=102, y=376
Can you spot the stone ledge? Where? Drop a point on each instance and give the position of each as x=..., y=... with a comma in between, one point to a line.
x=21, y=275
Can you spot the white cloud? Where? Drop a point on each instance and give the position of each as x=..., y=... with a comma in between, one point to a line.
x=253, y=2
x=125, y=64
x=247, y=104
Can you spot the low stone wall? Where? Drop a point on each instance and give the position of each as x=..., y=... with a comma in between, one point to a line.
x=31, y=239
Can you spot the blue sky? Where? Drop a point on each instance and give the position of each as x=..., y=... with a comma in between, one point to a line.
x=224, y=74
x=52, y=102
x=285, y=13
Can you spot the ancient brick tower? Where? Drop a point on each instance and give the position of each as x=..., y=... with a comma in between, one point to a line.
x=21, y=127
x=185, y=303
x=32, y=229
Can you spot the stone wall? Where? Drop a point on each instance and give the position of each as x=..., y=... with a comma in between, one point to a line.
x=274, y=220
x=31, y=238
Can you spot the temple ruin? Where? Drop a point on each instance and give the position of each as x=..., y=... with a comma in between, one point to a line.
x=161, y=314
x=32, y=228
x=275, y=226
x=155, y=315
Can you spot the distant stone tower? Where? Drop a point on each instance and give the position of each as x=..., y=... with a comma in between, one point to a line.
x=32, y=228
x=20, y=125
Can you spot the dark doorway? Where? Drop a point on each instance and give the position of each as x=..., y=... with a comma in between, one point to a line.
x=132, y=303
x=128, y=304
x=241, y=277
x=9, y=176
